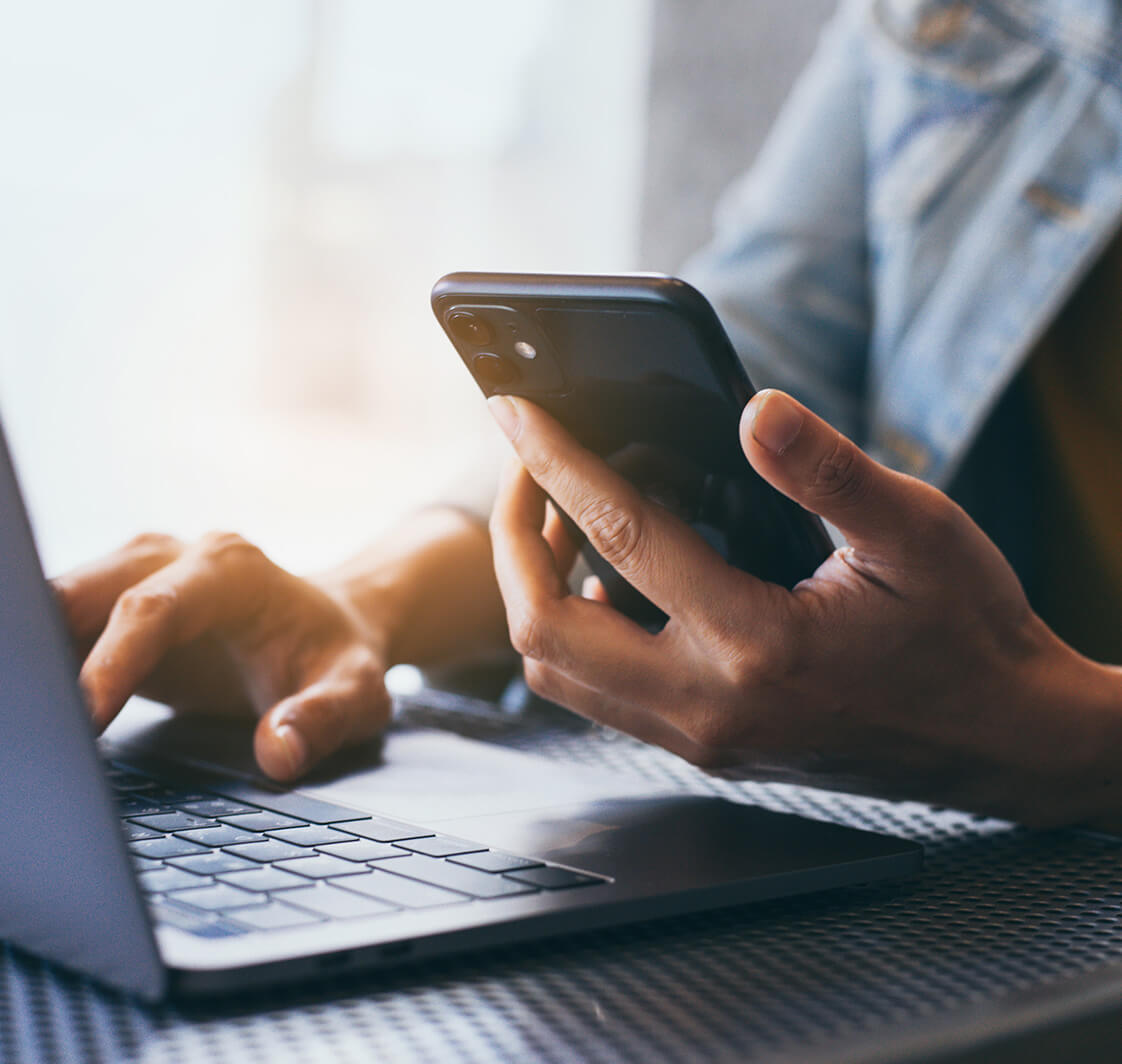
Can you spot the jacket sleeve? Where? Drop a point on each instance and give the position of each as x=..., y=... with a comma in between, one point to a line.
x=788, y=266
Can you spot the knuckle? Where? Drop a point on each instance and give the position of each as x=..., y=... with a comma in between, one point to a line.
x=757, y=667
x=614, y=531
x=529, y=634
x=542, y=462
x=230, y=548
x=942, y=519
x=739, y=662
x=368, y=671
x=932, y=528
x=146, y=605
x=153, y=545
x=741, y=671
x=839, y=475
x=369, y=681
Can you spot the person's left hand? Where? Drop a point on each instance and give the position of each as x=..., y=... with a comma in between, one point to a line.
x=909, y=665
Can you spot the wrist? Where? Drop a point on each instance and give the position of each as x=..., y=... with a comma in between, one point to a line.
x=1098, y=780
x=372, y=614
x=425, y=592
x=1075, y=728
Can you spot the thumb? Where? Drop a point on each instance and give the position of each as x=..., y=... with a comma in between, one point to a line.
x=815, y=465
x=348, y=705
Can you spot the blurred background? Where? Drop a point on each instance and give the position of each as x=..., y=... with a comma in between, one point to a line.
x=219, y=224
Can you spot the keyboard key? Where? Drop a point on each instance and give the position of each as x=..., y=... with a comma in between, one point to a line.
x=439, y=873
x=168, y=846
x=362, y=850
x=145, y=864
x=314, y=835
x=174, y=821
x=404, y=893
x=312, y=810
x=130, y=781
x=212, y=863
x=219, y=896
x=220, y=835
x=267, y=852
x=134, y=833
x=320, y=867
x=137, y=805
x=261, y=821
x=441, y=846
x=276, y=915
x=553, y=878
x=179, y=797
x=490, y=861
x=161, y=880
x=262, y=880
x=214, y=806
x=200, y=924
x=381, y=830
x=340, y=904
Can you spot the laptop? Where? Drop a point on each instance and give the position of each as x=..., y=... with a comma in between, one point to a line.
x=158, y=862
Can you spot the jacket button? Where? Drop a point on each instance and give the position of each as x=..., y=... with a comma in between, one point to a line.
x=1055, y=206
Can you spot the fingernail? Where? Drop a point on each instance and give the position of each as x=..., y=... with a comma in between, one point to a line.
x=505, y=413
x=777, y=421
x=294, y=747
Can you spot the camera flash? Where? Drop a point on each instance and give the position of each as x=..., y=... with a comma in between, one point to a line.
x=525, y=350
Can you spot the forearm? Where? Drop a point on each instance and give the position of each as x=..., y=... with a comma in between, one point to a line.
x=426, y=590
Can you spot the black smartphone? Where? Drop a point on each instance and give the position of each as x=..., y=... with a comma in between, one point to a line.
x=639, y=370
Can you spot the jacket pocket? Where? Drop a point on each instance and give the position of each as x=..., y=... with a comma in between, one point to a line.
x=943, y=79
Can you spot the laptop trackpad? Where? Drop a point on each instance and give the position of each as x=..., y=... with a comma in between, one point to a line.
x=421, y=775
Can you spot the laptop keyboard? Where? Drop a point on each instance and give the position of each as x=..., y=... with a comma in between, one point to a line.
x=216, y=866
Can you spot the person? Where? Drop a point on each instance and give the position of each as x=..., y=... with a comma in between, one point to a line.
x=921, y=266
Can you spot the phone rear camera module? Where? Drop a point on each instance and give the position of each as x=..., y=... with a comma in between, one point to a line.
x=525, y=350
x=493, y=370
x=469, y=329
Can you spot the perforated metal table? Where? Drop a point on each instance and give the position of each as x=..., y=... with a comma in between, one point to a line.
x=1004, y=930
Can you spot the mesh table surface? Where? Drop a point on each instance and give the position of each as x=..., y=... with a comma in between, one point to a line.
x=997, y=910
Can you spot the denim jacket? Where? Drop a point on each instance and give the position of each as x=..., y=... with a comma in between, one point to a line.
x=938, y=183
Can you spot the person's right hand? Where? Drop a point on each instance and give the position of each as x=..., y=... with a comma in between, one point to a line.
x=908, y=665
x=216, y=627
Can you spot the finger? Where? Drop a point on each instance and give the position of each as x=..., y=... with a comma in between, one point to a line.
x=877, y=509
x=586, y=639
x=656, y=553
x=560, y=541
x=215, y=583
x=348, y=705
x=526, y=560
x=555, y=686
x=86, y=595
x=592, y=588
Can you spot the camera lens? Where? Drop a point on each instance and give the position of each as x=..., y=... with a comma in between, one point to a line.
x=493, y=370
x=470, y=329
